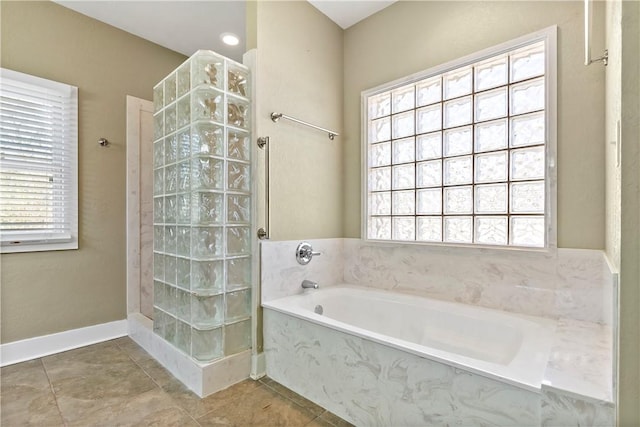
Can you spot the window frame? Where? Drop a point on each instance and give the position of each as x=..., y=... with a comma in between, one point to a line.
x=549, y=37
x=17, y=242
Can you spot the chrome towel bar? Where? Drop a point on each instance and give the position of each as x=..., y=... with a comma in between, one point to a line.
x=277, y=116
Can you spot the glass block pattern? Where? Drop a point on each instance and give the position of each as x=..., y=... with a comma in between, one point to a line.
x=459, y=157
x=202, y=207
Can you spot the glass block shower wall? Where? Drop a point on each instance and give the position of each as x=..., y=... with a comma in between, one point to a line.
x=202, y=206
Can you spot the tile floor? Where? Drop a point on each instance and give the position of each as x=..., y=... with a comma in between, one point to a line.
x=117, y=383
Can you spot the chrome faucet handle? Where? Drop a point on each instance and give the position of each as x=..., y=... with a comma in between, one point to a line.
x=304, y=253
x=308, y=284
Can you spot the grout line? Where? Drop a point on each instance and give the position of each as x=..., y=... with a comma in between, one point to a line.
x=182, y=409
x=319, y=417
x=142, y=369
x=285, y=398
x=325, y=411
x=307, y=410
x=175, y=404
x=282, y=395
x=233, y=399
x=326, y=421
x=121, y=349
x=53, y=392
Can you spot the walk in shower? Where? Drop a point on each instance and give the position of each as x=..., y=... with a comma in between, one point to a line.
x=202, y=264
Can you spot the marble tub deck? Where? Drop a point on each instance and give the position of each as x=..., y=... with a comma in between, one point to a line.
x=581, y=361
x=118, y=383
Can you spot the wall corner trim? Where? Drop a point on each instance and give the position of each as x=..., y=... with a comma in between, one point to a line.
x=32, y=348
x=258, y=366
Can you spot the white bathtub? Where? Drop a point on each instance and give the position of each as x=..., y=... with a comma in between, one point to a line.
x=505, y=346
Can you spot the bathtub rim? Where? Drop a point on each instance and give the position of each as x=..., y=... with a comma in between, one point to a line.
x=534, y=383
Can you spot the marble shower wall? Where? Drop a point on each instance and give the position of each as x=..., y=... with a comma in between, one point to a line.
x=573, y=283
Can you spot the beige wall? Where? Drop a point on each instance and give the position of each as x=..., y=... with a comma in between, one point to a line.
x=623, y=191
x=47, y=292
x=613, y=85
x=299, y=72
x=629, y=336
x=409, y=37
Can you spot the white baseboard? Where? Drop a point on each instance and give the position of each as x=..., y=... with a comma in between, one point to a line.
x=32, y=348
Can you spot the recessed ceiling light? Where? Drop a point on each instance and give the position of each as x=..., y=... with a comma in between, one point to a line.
x=230, y=39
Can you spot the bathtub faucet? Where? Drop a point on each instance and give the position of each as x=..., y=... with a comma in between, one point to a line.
x=304, y=253
x=308, y=284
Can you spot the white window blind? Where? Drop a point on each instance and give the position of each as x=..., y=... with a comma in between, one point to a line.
x=38, y=163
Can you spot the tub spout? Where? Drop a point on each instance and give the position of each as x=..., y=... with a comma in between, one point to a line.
x=308, y=284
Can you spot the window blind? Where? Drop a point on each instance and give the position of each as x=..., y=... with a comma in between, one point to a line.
x=38, y=162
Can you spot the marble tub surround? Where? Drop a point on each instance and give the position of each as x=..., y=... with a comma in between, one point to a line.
x=572, y=283
x=372, y=384
x=281, y=275
x=560, y=410
x=573, y=287
x=568, y=283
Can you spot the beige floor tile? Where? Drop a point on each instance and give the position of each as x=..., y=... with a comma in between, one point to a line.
x=261, y=407
x=93, y=378
x=22, y=406
x=333, y=420
x=26, y=398
x=117, y=383
x=156, y=371
x=84, y=359
x=149, y=365
x=324, y=418
x=196, y=407
x=153, y=408
x=132, y=349
x=290, y=394
x=29, y=373
x=319, y=422
x=104, y=350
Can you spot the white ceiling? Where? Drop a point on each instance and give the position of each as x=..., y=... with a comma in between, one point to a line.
x=180, y=25
x=348, y=12
x=186, y=26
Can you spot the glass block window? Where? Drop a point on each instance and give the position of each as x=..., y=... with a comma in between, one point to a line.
x=460, y=156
